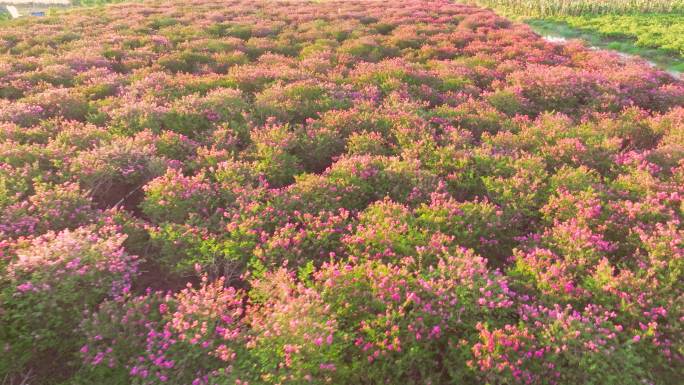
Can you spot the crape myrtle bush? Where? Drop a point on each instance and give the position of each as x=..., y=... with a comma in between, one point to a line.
x=347, y=192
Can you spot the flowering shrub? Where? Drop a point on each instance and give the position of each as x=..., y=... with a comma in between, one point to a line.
x=292, y=334
x=318, y=146
x=294, y=102
x=178, y=248
x=385, y=230
x=357, y=192
x=76, y=136
x=192, y=114
x=113, y=171
x=368, y=143
x=172, y=197
x=60, y=102
x=274, y=150
x=479, y=225
x=376, y=177
x=49, y=282
x=50, y=208
x=304, y=239
x=152, y=338
x=383, y=319
x=561, y=337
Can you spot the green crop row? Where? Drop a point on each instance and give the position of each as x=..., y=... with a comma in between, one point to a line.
x=544, y=8
x=647, y=30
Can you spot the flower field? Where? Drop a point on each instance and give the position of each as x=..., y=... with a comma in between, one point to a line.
x=334, y=192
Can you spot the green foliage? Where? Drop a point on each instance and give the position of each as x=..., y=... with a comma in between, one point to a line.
x=583, y=7
x=295, y=102
x=664, y=32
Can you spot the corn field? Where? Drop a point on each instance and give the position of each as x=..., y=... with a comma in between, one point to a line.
x=541, y=8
